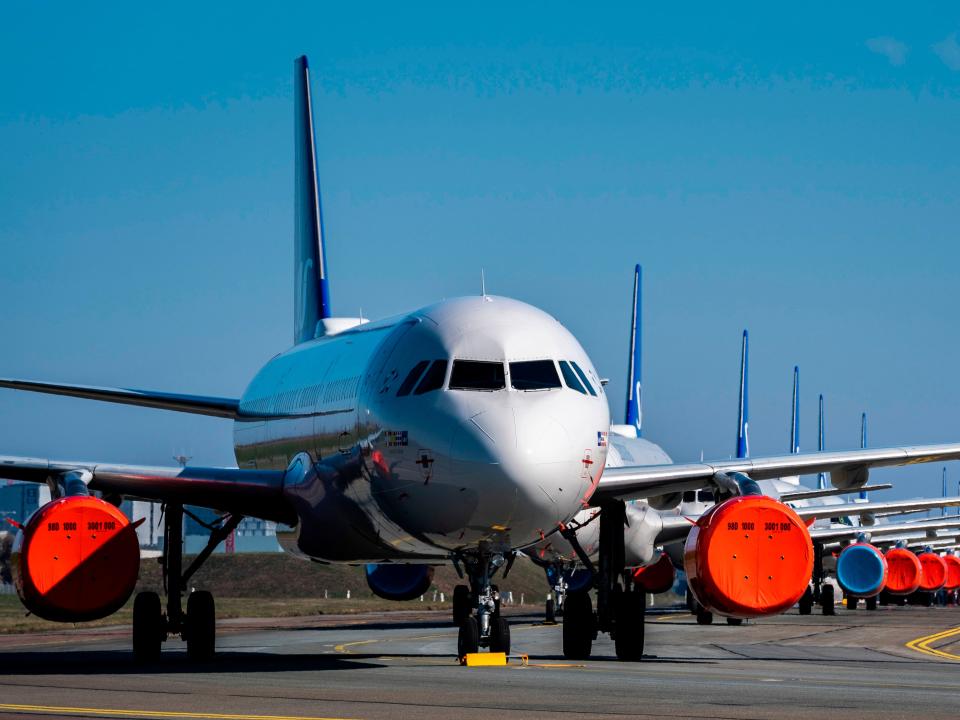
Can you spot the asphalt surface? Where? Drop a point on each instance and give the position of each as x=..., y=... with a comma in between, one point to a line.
x=856, y=664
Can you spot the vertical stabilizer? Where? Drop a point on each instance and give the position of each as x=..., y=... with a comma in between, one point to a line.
x=863, y=445
x=634, y=387
x=943, y=510
x=311, y=294
x=795, y=413
x=743, y=421
x=821, y=477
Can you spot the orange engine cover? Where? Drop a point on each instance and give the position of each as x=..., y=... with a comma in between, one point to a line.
x=934, y=574
x=953, y=572
x=903, y=572
x=749, y=556
x=656, y=577
x=76, y=558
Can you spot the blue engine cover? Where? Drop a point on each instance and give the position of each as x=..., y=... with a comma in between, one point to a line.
x=861, y=570
x=399, y=582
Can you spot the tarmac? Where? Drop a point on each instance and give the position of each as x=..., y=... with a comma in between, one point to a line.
x=897, y=662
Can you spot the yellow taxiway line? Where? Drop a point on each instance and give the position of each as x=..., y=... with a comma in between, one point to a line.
x=140, y=713
x=922, y=644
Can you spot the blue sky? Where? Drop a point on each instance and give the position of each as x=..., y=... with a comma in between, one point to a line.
x=793, y=172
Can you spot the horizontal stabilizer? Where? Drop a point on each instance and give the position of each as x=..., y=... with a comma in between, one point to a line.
x=195, y=404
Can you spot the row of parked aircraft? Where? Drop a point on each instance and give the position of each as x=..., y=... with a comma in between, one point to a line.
x=465, y=432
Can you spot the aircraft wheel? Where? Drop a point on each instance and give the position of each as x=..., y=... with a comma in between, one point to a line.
x=148, y=629
x=629, y=630
x=734, y=621
x=468, y=639
x=926, y=599
x=550, y=615
x=577, y=626
x=500, y=635
x=704, y=616
x=852, y=603
x=201, y=626
x=870, y=603
x=806, y=602
x=461, y=604
x=827, y=601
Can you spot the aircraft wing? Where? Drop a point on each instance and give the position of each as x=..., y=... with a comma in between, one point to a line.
x=194, y=404
x=828, y=492
x=872, y=508
x=848, y=469
x=843, y=532
x=675, y=529
x=255, y=493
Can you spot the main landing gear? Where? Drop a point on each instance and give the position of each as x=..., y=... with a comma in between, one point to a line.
x=476, y=609
x=621, y=606
x=151, y=626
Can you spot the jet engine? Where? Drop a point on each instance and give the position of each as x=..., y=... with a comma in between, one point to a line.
x=76, y=558
x=861, y=570
x=399, y=582
x=934, y=574
x=903, y=572
x=953, y=571
x=749, y=556
x=657, y=577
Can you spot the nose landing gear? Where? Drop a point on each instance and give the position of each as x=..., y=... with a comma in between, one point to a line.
x=487, y=627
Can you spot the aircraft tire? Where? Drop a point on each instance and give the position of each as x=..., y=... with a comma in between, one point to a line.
x=806, y=602
x=201, y=626
x=500, y=635
x=631, y=610
x=852, y=603
x=734, y=621
x=468, y=639
x=148, y=630
x=550, y=614
x=870, y=603
x=704, y=616
x=577, y=626
x=827, y=600
x=461, y=604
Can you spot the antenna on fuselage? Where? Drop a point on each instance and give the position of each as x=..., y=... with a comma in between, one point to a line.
x=743, y=421
x=634, y=385
x=311, y=292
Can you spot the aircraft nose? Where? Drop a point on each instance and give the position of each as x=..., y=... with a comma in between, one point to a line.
x=527, y=460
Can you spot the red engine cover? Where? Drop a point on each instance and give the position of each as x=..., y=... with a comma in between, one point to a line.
x=934, y=574
x=656, y=577
x=953, y=572
x=748, y=557
x=76, y=558
x=903, y=572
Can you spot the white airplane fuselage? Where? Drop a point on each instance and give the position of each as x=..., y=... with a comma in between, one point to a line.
x=381, y=469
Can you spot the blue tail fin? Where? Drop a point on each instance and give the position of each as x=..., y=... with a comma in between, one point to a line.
x=943, y=510
x=743, y=421
x=863, y=444
x=634, y=387
x=821, y=477
x=311, y=294
x=795, y=413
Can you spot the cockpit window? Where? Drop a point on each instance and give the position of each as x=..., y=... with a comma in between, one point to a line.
x=477, y=375
x=412, y=378
x=534, y=375
x=583, y=376
x=433, y=380
x=570, y=377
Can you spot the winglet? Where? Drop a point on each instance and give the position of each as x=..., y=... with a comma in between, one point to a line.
x=634, y=387
x=743, y=422
x=795, y=414
x=311, y=293
x=821, y=477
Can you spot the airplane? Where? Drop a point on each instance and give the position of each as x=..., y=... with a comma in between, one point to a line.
x=461, y=432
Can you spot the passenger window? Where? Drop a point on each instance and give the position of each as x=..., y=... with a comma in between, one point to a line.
x=689, y=495
x=476, y=375
x=706, y=495
x=534, y=375
x=433, y=380
x=570, y=377
x=583, y=376
x=412, y=378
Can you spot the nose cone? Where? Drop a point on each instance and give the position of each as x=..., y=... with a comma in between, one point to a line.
x=534, y=468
